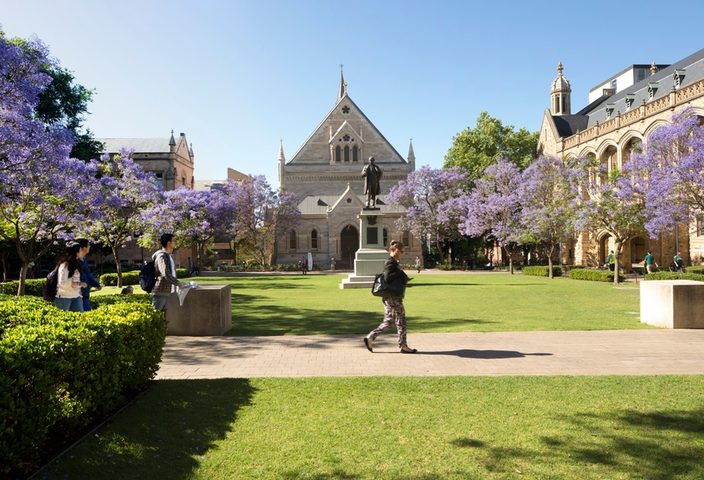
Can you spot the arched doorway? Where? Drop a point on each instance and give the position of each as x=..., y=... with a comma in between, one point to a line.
x=349, y=244
x=638, y=249
x=604, y=248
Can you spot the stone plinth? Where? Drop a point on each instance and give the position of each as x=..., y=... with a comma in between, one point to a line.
x=672, y=303
x=371, y=256
x=206, y=310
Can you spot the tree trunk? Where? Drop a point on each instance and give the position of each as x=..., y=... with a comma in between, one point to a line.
x=116, y=256
x=23, y=279
x=617, y=254
x=510, y=259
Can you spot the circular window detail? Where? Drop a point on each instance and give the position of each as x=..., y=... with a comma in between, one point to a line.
x=349, y=200
x=345, y=109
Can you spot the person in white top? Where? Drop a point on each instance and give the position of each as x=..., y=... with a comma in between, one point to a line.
x=68, y=290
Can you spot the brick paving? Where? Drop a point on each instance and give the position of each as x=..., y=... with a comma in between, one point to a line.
x=613, y=352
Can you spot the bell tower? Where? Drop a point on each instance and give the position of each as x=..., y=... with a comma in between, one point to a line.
x=560, y=94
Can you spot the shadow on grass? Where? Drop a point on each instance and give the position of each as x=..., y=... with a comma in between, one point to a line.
x=162, y=435
x=485, y=354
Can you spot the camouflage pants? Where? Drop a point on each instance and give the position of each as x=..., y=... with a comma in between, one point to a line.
x=394, y=313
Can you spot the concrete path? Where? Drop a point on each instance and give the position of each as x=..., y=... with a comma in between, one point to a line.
x=618, y=352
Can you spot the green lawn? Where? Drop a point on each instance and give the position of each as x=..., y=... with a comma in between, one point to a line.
x=391, y=428
x=314, y=304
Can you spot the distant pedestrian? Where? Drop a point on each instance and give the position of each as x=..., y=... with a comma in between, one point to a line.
x=611, y=260
x=419, y=264
x=68, y=288
x=649, y=262
x=304, y=266
x=86, y=275
x=394, y=312
x=165, y=269
x=678, y=262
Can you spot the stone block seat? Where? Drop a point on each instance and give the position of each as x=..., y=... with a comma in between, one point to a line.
x=206, y=311
x=672, y=303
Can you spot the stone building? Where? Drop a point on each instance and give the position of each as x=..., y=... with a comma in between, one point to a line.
x=169, y=159
x=325, y=175
x=622, y=112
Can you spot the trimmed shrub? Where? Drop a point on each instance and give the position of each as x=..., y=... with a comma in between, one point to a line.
x=97, y=301
x=675, y=276
x=132, y=277
x=60, y=371
x=542, y=270
x=695, y=269
x=32, y=286
x=594, y=275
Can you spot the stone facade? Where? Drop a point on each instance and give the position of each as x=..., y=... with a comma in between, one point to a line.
x=325, y=175
x=613, y=126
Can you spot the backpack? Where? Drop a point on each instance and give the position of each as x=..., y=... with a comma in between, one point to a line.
x=147, y=276
x=52, y=285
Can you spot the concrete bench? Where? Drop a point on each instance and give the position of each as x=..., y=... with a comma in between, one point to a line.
x=206, y=311
x=672, y=303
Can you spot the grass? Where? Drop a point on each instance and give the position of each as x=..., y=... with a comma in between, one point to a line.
x=390, y=428
x=314, y=304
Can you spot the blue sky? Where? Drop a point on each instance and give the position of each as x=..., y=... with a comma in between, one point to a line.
x=237, y=76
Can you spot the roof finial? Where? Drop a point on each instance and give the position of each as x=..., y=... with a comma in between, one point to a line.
x=343, y=85
x=653, y=68
x=172, y=140
x=559, y=69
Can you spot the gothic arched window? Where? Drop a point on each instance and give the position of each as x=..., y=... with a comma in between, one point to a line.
x=314, y=239
x=338, y=154
x=355, y=154
x=292, y=240
x=347, y=153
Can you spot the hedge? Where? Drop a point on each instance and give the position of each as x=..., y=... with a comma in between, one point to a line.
x=60, y=371
x=594, y=275
x=695, y=269
x=675, y=276
x=542, y=270
x=33, y=286
x=132, y=277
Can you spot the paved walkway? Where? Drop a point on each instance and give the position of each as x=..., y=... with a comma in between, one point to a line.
x=619, y=352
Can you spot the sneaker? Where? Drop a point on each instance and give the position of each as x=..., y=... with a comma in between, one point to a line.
x=368, y=344
x=407, y=349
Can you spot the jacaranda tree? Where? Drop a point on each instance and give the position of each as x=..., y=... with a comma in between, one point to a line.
x=494, y=207
x=422, y=194
x=123, y=191
x=669, y=174
x=549, y=194
x=43, y=192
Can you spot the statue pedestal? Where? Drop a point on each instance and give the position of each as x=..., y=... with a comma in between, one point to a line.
x=371, y=256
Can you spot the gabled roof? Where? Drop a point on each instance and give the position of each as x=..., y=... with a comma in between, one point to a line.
x=138, y=145
x=344, y=98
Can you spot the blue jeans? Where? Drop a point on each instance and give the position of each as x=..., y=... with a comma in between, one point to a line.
x=159, y=301
x=74, y=304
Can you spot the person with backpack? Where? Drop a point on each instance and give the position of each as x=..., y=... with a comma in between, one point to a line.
x=68, y=279
x=394, y=312
x=164, y=272
x=86, y=275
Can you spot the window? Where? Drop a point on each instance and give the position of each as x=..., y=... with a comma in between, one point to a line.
x=406, y=239
x=338, y=154
x=160, y=179
x=386, y=237
x=347, y=153
x=292, y=240
x=345, y=109
x=700, y=225
x=355, y=154
x=652, y=90
x=314, y=239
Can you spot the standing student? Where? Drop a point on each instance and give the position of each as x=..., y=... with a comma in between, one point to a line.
x=68, y=285
x=678, y=262
x=394, y=312
x=165, y=272
x=86, y=275
x=649, y=262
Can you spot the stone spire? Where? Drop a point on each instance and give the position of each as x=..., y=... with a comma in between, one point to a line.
x=653, y=68
x=343, y=85
x=281, y=160
x=172, y=143
x=560, y=93
x=411, y=156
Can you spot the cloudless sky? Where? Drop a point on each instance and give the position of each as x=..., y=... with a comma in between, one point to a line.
x=237, y=76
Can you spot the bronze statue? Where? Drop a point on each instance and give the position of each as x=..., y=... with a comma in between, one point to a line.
x=372, y=176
